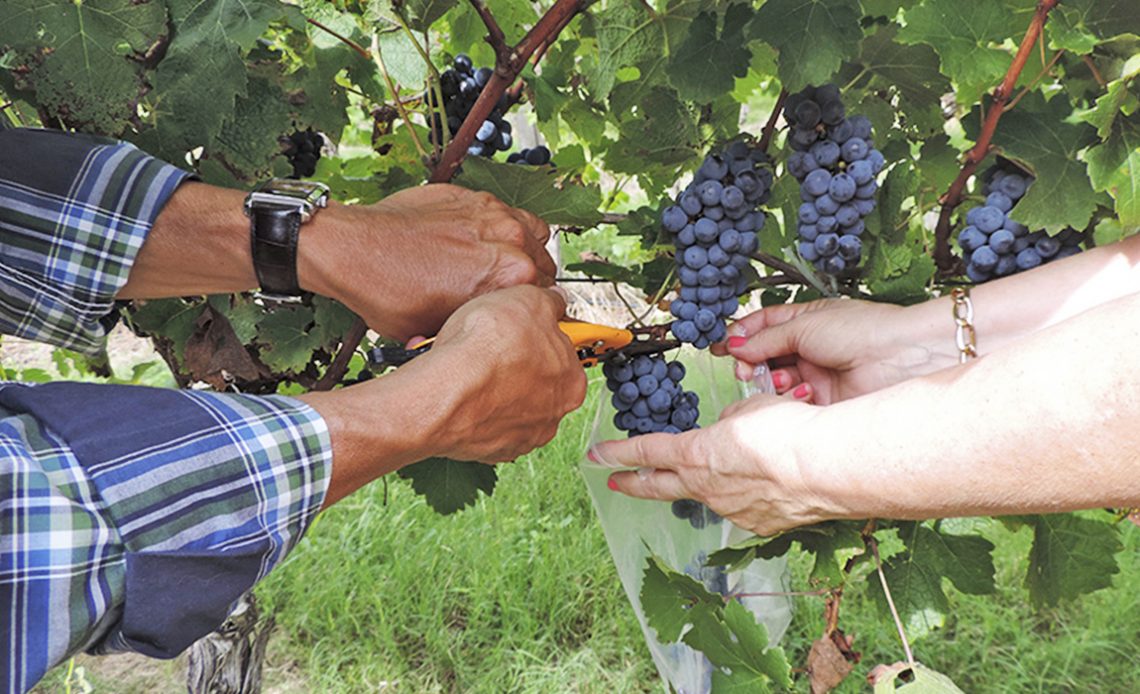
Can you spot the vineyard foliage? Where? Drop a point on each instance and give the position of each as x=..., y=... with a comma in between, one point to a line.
x=630, y=95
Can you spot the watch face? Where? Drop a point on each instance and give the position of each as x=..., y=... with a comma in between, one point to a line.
x=303, y=196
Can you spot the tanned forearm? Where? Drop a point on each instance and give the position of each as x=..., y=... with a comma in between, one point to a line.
x=1044, y=424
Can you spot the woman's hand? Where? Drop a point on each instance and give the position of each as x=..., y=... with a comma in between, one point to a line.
x=409, y=261
x=840, y=348
x=744, y=467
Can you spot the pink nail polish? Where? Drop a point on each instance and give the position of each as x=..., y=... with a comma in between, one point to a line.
x=801, y=391
x=592, y=456
x=612, y=484
x=736, y=341
x=779, y=379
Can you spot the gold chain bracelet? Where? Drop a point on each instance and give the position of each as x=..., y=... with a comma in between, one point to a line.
x=965, y=337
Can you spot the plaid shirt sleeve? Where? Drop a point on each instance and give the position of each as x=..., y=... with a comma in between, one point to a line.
x=74, y=212
x=132, y=518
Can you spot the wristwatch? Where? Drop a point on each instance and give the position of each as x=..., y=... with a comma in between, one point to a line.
x=276, y=209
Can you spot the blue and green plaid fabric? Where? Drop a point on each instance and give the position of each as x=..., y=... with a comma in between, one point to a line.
x=130, y=518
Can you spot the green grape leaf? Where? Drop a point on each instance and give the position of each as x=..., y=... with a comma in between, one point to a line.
x=1040, y=134
x=915, y=574
x=1116, y=100
x=940, y=164
x=962, y=34
x=628, y=34
x=1070, y=556
x=242, y=313
x=1114, y=166
x=823, y=540
x=704, y=65
x=404, y=63
x=737, y=645
x=247, y=142
x=172, y=319
x=813, y=37
x=331, y=319
x=912, y=70
x=314, y=93
x=535, y=189
x=450, y=485
x=919, y=680
x=1080, y=25
x=287, y=339
x=204, y=57
x=83, y=58
x=670, y=600
x=899, y=273
x=662, y=130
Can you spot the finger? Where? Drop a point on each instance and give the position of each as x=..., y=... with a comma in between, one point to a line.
x=662, y=451
x=414, y=341
x=663, y=485
x=785, y=379
x=803, y=393
x=772, y=342
x=537, y=228
x=542, y=260
x=767, y=317
x=552, y=304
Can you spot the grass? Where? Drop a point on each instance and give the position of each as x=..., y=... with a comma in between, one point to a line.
x=519, y=594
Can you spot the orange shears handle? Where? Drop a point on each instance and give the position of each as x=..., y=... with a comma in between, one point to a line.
x=590, y=340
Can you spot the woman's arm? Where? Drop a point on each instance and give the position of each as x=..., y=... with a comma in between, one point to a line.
x=1044, y=424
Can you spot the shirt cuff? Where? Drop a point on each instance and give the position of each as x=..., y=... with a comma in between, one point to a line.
x=208, y=492
x=74, y=212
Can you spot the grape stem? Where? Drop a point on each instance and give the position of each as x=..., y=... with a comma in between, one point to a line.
x=769, y=130
x=495, y=36
x=873, y=545
x=943, y=257
x=364, y=53
x=339, y=365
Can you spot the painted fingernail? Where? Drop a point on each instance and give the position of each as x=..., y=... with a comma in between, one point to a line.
x=612, y=484
x=736, y=341
x=801, y=391
x=592, y=455
x=779, y=379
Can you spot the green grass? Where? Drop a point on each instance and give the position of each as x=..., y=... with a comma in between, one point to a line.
x=519, y=594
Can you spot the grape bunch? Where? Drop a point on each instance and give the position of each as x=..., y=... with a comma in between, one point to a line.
x=648, y=397
x=303, y=150
x=714, y=578
x=714, y=225
x=835, y=162
x=461, y=86
x=696, y=513
x=995, y=245
x=535, y=156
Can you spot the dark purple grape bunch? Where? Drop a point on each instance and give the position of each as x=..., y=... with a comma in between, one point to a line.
x=714, y=225
x=835, y=161
x=648, y=396
x=303, y=150
x=698, y=515
x=461, y=86
x=534, y=156
x=994, y=245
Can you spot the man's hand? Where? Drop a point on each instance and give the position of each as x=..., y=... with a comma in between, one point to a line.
x=404, y=264
x=495, y=385
x=409, y=261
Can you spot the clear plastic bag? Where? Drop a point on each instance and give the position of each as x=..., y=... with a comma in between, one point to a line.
x=635, y=528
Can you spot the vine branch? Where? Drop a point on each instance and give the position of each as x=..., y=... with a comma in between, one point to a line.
x=495, y=35
x=506, y=71
x=1001, y=95
x=769, y=130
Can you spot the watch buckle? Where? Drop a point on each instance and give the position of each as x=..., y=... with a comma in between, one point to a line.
x=271, y=298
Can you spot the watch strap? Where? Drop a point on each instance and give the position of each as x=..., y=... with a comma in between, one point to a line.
x=274, y=232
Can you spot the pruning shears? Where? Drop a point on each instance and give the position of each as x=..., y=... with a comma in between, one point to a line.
x=592, y=342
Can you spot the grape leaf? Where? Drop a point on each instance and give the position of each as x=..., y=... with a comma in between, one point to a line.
x=173, y=319
x=705, y=64
x=83, y=58
x=331, y=319
x=1070, y=556
x=1114, y=166
x=915, y=574
x=812, y=36
x=920, y=680
x=450, y=485
x=402, y=60
x=661, y=130
x=670, y=600
x=1080, y=25
x=824, y=540
x=204, y=57
x=1116, y=100
x=534, y=189
x=247, y=141
x=962, y=33
x=287, y=339
x=912, y=70
x=737, y=645
x=628, y=34
x=1039, y=134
